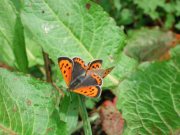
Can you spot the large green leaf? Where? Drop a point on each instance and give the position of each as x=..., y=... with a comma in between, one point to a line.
x=74, y=28
x=157, y=44
x=12, y=36
x=150, y=98
x=27, y=106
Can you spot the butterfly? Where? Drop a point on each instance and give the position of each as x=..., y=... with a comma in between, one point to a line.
x=81, y=78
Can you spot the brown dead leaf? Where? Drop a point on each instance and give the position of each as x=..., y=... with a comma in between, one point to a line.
x=151, y=44
x=111, y=118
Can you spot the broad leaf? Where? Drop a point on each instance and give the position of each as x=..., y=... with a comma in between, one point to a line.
x=149, y=98
x=74, y=28
x=155, y=47
x=27, y=106
x=12, y=36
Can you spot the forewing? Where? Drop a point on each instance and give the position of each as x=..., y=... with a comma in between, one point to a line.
x=66, y=67
x=89, y=91
x=79, y=67
x=96, y=64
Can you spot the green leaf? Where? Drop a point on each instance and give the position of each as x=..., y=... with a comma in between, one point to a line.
x=177, y=10
x=149, y=98
x=34, y=51
x=106, y=4
x=126, y=66
x=117, y=4
x=126, y=17
x=19, y=46
x=12, y=34
x=80, y=28
x=150, y=7
x=62, y=126
x=68, y=110
x=178, y=26
x=27, y=105
x=170, y=19
x=18, y=4
x=90, y=103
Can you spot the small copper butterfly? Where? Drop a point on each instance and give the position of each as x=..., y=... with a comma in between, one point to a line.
x=81, y=78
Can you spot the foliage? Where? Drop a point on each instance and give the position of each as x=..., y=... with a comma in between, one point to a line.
x=147, y=92
x=152, y=48
x=12, y=36
x=137, y=13
x=27, y=105
x=149, y=98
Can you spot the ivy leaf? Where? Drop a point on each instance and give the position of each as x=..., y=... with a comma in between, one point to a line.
x=80, y=28
x=27, y=105
x=149, y=98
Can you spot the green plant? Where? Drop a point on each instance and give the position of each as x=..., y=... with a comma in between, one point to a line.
x=137, y=13
x=77, y=28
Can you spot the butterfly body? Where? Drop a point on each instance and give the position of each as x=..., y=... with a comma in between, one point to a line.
x=76, y=82
x=80, y=78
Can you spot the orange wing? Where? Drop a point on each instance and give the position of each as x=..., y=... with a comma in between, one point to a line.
x=96, y=64
x=89, y=91
x=97, y=78
x=80, y=62
x=66, y=67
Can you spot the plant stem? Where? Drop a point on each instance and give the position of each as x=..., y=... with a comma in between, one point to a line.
x=84, y=116
x=47, y=64
x=94, y=117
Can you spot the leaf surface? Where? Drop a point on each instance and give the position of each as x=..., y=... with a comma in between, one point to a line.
x=12, y=37
x=74, y=28
x=27, y=105
x=149, y=98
